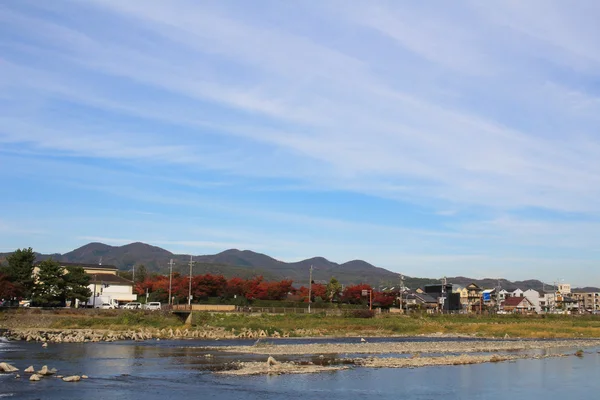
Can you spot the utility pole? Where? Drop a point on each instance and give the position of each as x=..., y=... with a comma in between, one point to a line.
x=133, y=277
x=401, y=289
x=310, y=288
x=190, y=289
x=94, y=299
x=170, y=279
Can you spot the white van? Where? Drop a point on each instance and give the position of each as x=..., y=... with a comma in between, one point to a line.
x=153, y=305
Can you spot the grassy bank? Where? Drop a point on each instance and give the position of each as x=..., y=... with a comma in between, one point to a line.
x=484, y=326
x=549, y=326
x=87, y=319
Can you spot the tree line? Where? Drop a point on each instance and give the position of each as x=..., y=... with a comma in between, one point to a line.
x=45, y=283
x=208, y=286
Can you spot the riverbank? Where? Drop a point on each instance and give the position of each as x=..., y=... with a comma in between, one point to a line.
x=125, y=323
x=409, y=347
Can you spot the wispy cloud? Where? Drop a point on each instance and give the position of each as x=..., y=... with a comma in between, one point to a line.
x=489, y=110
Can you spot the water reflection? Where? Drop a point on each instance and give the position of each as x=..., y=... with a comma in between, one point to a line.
x=155, y=370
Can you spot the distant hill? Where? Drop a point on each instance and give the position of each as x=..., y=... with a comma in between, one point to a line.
x=246, y=263
x=503, y=283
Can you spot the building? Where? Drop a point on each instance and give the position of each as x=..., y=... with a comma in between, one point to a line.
x=104, y=281
x=448, y=300
x=534, y=298
x=517, y=305
x=470, y=297
x=419, y=300
x=516, y=293
x=588, y=301
x=564, y=288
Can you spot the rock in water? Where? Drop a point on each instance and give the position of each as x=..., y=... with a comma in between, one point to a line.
x=271, y=361
x=73, y=378
x=6, y=367
x=362, y=340
x=30, y=369
x=35, y=377
x=84, y=376
x=45, y=345
x=45, y=371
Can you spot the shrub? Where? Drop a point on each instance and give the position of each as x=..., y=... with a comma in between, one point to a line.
x=360, y=314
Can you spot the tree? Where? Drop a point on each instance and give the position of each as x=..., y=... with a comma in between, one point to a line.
x=140, y=273
x=334, y=289
x=49, y=289
x=20, y=270
x=353, y=294
x=76, y=283
x=7, y=289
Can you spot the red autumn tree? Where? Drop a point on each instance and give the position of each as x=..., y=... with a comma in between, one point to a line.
x=353, y=294
x=318, y=290
x=384, y=299
x=8, y=289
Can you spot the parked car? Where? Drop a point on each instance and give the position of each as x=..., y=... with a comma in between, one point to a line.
x=106, y=306
x=132, y=306
x=153, y=305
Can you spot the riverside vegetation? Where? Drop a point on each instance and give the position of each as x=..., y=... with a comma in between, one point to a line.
x=546, y=326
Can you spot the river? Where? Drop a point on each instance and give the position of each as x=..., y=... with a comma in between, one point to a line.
x=182, y=370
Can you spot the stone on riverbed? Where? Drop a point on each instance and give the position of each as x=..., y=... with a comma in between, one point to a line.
x=30, y=369
x=73, y=378
x=45, y=371
x=35, y=377
x=271, y=361
x=6, y=367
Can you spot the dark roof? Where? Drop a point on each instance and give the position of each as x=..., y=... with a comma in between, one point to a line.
x=423, y=297
x=84, y=265
x=514, y=301
x=69, y=264
x=109, y=278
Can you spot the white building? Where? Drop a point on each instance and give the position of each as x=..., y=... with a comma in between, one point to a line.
x=534, y=298
x=516, y=293
x=564, y=288
x=104, y=281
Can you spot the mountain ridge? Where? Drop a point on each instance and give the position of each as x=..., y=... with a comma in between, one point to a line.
x=247, y=263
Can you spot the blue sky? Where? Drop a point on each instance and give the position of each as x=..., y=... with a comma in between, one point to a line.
x=430, y=139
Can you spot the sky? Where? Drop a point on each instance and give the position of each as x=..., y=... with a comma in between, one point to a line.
x=428, y=138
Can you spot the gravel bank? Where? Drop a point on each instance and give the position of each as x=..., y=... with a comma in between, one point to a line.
x=409, y=347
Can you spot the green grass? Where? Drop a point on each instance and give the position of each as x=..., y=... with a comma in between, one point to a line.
x=549, y=326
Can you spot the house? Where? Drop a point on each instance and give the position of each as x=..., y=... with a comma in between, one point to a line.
x=104, y=281
x=534, y=298
x=503, y=294
x=518, y=305
x=471, y=296
x=489, y=297
x=421, y=301
x=516, y=293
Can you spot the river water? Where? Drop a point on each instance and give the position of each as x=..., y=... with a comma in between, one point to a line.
x=181, y=370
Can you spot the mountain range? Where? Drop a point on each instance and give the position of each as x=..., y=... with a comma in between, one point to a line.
x=246, y=263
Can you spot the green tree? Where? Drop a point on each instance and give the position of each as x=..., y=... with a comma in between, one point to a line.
x=49, y=289
x=140, y=273
x=334, y=289
x=76, y=285
x=20, y=270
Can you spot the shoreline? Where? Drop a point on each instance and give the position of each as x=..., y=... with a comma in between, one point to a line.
x=82, y=335
x=440, y=347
